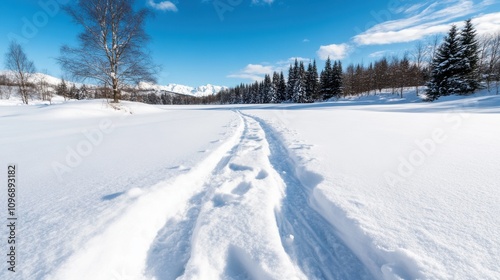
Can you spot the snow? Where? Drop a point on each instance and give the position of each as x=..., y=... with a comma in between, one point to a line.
x=199, y=91
x=360, y=188
x=35, y=77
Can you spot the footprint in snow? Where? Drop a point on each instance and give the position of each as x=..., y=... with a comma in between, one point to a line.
x=242, y=188
x=262, y=175
x=112, y=196
x=237, y=167
x=222, y=199
x=180, y=168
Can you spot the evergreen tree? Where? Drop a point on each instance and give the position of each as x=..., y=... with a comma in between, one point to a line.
x=62, y=89
x=311, y=83
x=281, y=89
x=326, y=78
x=73, y=92
x=254, y=91
x=336, y=79
x=266, y=89
x=84, y=92
x=293, y=77
x=469, y=63
x=445, y=76
x=299, y=91
x=273, y=93
x=260, y=92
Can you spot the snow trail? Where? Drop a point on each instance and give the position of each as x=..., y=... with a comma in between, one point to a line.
x=120, y=251
x=242, y=213
x=307, y=236
x=233, y=232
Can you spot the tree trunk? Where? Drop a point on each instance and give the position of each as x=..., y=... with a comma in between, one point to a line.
x=116, y=91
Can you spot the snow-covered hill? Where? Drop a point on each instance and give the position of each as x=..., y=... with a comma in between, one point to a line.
x=37, y=77
x=199, y=91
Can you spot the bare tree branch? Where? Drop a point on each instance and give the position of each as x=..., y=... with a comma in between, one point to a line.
x=111, y=48
x=23, y=69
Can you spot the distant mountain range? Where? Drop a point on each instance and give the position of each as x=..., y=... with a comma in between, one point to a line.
x=200, y=91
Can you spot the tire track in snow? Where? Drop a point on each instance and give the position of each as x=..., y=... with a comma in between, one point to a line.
x=307, y=237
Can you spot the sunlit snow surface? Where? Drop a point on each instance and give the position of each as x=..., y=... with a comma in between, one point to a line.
x=369, y=188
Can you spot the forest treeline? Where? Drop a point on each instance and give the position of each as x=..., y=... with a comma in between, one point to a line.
x=460, y=63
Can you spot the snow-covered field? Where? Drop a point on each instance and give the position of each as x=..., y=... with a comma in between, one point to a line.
x=372, y=188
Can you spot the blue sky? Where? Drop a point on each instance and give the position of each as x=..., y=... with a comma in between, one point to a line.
x=226, y=42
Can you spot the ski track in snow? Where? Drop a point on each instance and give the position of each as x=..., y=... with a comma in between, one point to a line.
x=242, y=213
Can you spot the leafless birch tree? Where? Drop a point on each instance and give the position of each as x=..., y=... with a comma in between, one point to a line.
x=111, y=46
x=22, y=68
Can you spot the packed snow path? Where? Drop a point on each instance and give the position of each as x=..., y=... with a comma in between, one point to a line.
x=240, y=214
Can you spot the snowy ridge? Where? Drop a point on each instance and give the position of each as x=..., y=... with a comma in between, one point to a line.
x=36, y=77
x=200, y=91
x=307, y=235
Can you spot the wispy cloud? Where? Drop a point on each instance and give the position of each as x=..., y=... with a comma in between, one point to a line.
x=256, y=72
x=282, y=64
x=377, y=54
x=253, y=72
x=488, y=23
x=333, y=51
x=163, y=6
x=425, y=19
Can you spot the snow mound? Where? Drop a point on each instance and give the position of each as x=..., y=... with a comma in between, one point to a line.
x=95, y=108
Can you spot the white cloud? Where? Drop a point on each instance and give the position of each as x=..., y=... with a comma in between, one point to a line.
x=291, y=60
x=487, y=24
x=306, y=40
x=163, y=6
x=258, y=69
x=333, y=51
x=256, y=72
x=253, y=72
x=378, y=54
x=427, y=19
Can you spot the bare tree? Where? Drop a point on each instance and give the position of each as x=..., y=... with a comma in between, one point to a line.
x=419, y=54
x=22, y=68
x=111, y=46
x=43, y=89
x=6, y=87
x=490, y=59
x=403, y=73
